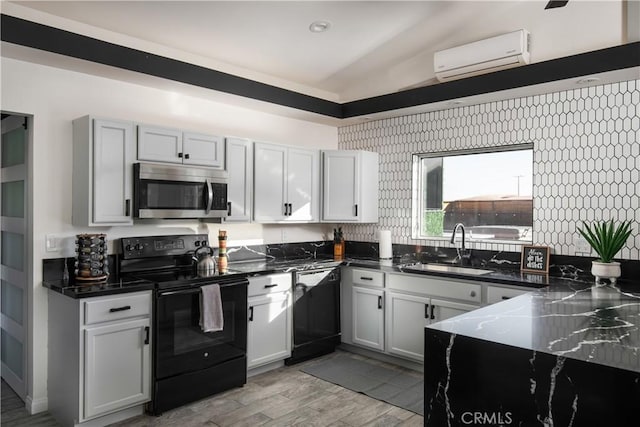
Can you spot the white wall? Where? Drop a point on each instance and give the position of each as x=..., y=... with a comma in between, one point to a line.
x=55, y=97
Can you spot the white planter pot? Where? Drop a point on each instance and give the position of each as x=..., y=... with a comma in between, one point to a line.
x=605, y=270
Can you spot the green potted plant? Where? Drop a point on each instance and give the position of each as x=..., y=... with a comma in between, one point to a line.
x=606, y=238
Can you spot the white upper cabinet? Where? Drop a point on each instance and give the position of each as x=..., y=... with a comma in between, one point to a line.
x=239, y=161
x=303, y=184
x=286, y=184
x=156, y=144
x=103, y=156
x=350, y=186
x=203, y=150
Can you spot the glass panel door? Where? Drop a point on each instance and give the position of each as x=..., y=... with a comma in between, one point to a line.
x=13, y=250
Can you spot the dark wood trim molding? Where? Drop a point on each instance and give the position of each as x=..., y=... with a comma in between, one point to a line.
x=50, y=39
x=584, y=64
x=34, y=35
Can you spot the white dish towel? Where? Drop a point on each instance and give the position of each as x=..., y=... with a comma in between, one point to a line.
x=211, y=316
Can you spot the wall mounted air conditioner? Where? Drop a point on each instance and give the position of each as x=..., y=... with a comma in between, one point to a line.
x=484, y=56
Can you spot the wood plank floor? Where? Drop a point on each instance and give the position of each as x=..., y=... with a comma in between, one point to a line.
x=14, y=414
x=283, y=397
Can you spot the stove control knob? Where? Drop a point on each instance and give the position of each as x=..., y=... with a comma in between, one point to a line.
x=138, y=247
x=204, y=243
x=197, y=243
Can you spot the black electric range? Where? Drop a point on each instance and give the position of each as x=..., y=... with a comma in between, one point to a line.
x=188, y=363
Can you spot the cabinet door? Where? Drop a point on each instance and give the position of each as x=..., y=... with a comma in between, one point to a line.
x=406, y=317
x=269, y=330
x=269, y=188
x=443, y=310
x=303, y=184
x=368, y=317
x=159, y=144
x=117, y=366
x=340, y=186
x=113, y=156
x=239, y=161
x=203, y=150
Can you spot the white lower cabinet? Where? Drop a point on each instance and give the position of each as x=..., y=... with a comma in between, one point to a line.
x=388, y=312
x=368, y=317
x=270, y=319
x=407, y=315
x=269, y=334
x=99, y=357
x=443, y=310
x=117, y=368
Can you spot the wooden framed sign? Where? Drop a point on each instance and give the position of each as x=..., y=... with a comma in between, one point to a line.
x=535, y=259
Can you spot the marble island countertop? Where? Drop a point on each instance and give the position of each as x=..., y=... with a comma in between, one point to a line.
x=599, y=325
x=548, y=357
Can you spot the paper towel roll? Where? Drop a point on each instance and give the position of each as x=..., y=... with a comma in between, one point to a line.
x=384, y=244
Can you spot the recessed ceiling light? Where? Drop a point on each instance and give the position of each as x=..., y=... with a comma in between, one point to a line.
x=319, y=26
x=587, y=80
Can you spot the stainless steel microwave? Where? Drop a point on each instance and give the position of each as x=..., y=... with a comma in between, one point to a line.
x=176, y=191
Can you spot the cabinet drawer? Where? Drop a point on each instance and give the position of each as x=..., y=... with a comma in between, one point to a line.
x=106, y=309
x=496, y=293
x=444, y=288
x=368, y=278
x=261, y=285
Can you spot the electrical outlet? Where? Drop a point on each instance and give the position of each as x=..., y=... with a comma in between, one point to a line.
x=581, y=245
x=51, y=243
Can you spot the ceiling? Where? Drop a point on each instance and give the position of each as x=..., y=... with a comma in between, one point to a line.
x=371, y=48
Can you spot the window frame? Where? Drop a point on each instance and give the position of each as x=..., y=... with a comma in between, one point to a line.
x=419, y=181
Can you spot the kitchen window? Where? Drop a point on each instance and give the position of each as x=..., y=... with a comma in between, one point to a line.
x=487, y=190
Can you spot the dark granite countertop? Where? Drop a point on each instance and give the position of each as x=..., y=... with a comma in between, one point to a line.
x=98, y=289
x=569, y=281
x=244, y=268
x=599, y=325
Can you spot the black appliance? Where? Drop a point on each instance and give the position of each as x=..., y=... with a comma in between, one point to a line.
x=316, y=314
x=188, y=364
x=176, y=191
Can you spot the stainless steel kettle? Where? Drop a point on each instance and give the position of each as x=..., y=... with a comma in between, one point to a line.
x=205, y=264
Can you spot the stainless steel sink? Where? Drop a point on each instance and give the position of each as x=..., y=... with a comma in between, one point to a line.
x=447, y=269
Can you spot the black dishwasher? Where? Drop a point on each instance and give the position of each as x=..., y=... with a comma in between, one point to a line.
x=316, y=314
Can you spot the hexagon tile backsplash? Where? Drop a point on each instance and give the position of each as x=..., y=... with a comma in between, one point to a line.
x=586, y=160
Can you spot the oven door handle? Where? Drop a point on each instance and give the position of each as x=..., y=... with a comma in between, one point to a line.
x=181, y=292
x=209, y=199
